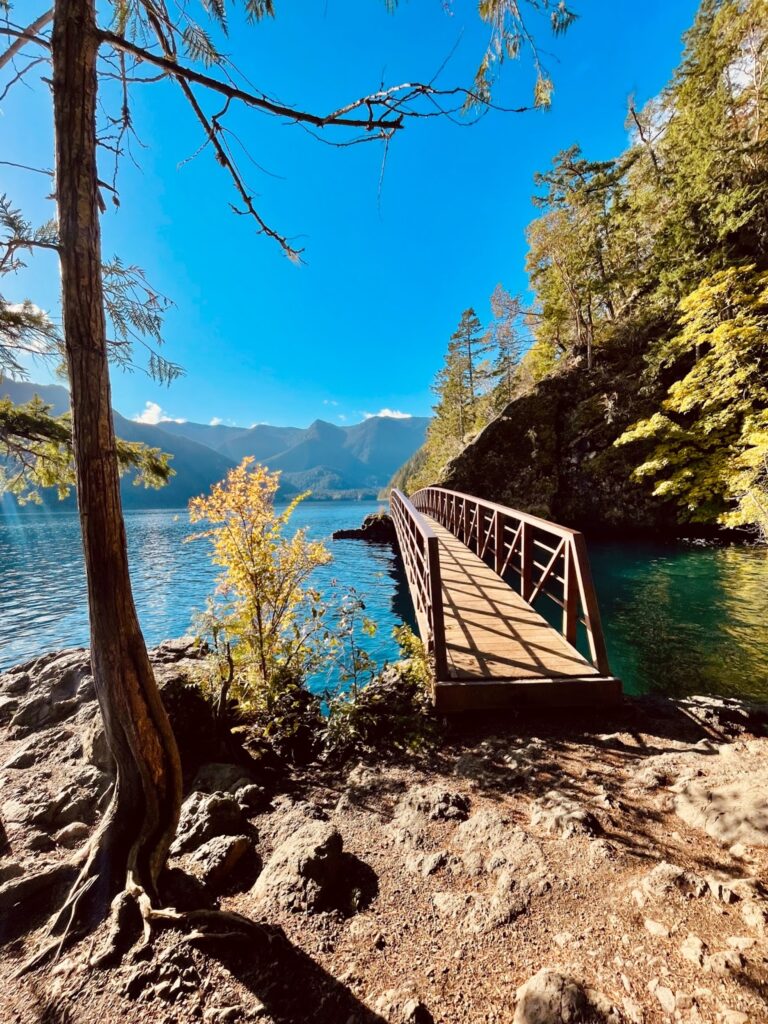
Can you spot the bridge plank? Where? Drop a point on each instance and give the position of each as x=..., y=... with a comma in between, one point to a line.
x=491, y=633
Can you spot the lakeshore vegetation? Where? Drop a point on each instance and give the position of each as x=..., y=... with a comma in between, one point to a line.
x=660, y=254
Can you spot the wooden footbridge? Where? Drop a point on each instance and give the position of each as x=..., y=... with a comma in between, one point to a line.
x=480, y=575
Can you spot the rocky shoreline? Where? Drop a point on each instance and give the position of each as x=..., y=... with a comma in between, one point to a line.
x=540, y=870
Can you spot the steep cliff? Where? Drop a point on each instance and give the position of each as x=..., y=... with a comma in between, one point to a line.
x=551, y=452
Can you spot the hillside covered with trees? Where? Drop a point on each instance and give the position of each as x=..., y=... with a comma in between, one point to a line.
x=633, y=389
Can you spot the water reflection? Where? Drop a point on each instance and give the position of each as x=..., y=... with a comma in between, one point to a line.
x=685, y=619
x=677, y=619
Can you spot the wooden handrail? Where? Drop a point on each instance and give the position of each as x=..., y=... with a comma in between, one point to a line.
x=420, y=553
x=510, y=538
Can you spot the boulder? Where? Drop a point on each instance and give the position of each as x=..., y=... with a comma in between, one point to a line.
x=206, y=815
x=551, y=997
x=197, y=732
x=433, y=803
x=304, y=872
x=558, y=813
x=377, y=528
x=220, y=861
x=732, y=813
x=219, y=777
x=666, y=878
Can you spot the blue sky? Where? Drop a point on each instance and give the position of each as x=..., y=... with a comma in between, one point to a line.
x=392, y=259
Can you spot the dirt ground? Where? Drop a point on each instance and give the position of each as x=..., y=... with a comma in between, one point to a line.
x=626, y=849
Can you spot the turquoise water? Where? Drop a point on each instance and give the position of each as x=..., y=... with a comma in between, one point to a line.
x=678, y=619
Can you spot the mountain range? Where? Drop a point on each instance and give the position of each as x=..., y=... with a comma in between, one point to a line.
x=331, y=461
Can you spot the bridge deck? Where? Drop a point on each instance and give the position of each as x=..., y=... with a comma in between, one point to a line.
x=494, y=637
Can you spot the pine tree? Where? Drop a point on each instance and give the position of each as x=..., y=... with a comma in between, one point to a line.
x=507, y=342
x=470, y=344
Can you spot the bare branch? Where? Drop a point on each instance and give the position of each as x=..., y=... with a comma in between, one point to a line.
x=27, y=35
x=19, y=76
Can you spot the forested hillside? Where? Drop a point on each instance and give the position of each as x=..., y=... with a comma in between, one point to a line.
x=633, y=390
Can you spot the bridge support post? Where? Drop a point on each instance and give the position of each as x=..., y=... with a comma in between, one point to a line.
x=526, y=560
x=570, y=596
x=498, y=542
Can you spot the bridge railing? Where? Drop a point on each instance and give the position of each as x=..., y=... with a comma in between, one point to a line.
x=419, y=550
x=549, y=560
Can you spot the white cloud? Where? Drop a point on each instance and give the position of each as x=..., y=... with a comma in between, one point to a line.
x=152, y=413
x=393, y=414
x=329, y=401
x=216, y=421
x=341, y=416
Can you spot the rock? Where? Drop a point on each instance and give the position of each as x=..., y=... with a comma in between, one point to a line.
x=182, y=890
x=550, y=997
x=508, y=901
x=10, y=869
x=38, y=841
x=755, y=915
x=402, y=1006
x=205, y=815
x=95, y=749
x=415, y=1012
x=693, y=949
x=222, y=1014
x=15, y=682
x=666, y=998
x=182, y=648
x=426, y=864
x=727, y=714
x=656, y=928
x=558, y=813
x=8, y=708
x=26, y=757
x=37, y=712
x=728, y=961
x=377, y=528
x=219, y=777
x=729, y=1016
x=304, y=870
x=433, y=803
x=288, y=817
x=488, y=842
x=220, y=860
x=452, y=904
x=732, y=813
x=251, y=798
x=666, y=878
x=72, y=835
x=198, y=735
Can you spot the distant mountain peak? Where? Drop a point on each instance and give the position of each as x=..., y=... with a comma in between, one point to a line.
x=328, y=459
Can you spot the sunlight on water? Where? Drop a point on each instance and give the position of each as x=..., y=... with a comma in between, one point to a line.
x=678, y=619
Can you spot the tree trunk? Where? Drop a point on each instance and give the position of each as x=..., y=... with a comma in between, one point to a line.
x=142, y=818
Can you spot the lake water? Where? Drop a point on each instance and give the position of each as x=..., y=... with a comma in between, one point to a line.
x=678, y=619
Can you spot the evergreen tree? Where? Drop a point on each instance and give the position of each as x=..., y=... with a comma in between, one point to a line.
x=507, y=343
x=470, y=344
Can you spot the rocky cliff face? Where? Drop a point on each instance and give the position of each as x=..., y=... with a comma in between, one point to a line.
x=551, y=453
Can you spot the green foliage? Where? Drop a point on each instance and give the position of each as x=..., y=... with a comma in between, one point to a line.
x=37, y=453
x=709, y=441
x=392, y=713
x=510, y=34
x=674, y=229
x=480, y=375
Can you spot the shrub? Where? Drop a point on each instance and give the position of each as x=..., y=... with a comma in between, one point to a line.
x=391, y=712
